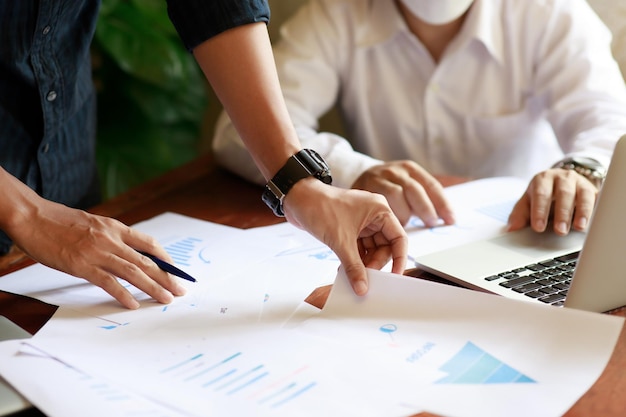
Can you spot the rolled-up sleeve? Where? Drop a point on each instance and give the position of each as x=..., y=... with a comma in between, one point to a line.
x=198, y=20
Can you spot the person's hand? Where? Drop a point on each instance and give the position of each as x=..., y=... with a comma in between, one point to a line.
x=95, y=248
x=564, y=196
x=357, y=225
x=410, y=190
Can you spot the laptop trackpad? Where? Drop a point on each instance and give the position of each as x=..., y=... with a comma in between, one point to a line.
x=537, y=245
x=480, y=259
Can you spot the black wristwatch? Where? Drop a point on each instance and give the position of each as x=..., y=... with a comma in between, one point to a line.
x=303, y=164
x=587, y=167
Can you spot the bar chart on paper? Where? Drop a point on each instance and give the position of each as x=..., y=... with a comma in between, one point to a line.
x=469, y=365
x=472, y=365
x=186, y=250
x=235, y=377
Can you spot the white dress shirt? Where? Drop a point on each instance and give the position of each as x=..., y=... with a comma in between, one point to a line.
x=522, y=84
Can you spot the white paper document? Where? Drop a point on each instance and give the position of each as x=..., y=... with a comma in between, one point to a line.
x=204, y=368
x=62, y=390
x=409, y=345
x=241, y=343
x=467, y=353
x=237, y=271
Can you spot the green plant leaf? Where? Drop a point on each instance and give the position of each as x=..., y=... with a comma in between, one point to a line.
x=152, y=95
x=139, y=49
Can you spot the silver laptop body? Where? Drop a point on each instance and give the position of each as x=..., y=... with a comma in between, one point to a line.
x=598, y=281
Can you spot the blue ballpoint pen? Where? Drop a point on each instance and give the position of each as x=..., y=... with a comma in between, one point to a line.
x=167, y=267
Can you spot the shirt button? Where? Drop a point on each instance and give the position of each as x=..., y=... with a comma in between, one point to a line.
x=45, y=148
x=46, y=30
x=51, y=96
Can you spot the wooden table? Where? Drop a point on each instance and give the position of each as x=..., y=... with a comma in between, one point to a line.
x=201, y=190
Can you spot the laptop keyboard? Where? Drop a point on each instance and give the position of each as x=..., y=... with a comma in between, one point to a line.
x=548, y=281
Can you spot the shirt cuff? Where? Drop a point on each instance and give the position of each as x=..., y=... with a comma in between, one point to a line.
x=346, y=168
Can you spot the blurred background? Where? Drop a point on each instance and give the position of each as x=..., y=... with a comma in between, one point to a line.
x=156, y=110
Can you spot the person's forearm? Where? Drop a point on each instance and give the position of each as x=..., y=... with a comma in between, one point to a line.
x=84, y=245
x=240, y=67
x=15, y=202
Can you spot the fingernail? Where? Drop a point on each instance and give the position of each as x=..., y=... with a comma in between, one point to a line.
x=582, y=223
x=540, y=225
x=561, y=227
x=360, y=288
x=431, y=222
x=180, y=290
x=167, y=297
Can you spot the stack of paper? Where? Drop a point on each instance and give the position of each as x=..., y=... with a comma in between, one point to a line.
x=241, y=342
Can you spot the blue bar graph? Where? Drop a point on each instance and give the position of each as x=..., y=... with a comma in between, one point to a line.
x=294, y=395
x=234, y=376
x=207, y=369
x=219, y=378
x=181, y=364
x=182, y=251
x=472, y=365
x=279, y=392
x=248, y=383
x=240, y=377
x=320, y=253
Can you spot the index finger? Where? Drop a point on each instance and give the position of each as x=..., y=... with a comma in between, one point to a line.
x=541, y=194
x=155, y=279
x=399, y=246
x=145, y=243
x=386, y=237
x=435, y=193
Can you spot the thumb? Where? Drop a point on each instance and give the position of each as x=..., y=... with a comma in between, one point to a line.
x=355, y=270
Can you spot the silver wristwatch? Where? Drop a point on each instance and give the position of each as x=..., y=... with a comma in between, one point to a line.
x=587, y=167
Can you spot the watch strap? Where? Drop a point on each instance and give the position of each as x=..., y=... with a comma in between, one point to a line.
x=305, y=163
x=589, y=168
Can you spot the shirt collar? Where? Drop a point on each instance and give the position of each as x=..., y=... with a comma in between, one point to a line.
x=482, y=25
x=384, y=21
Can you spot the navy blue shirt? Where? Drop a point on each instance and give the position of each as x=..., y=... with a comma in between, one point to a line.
x=47, y=97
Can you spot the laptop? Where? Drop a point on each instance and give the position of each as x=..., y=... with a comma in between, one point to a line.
x=10, y=400
x=585, y=271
